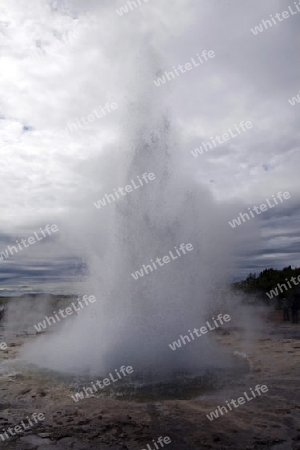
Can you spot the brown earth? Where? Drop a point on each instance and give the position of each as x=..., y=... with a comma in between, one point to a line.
x=270, y=421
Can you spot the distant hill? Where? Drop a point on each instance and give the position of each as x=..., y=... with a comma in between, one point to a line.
x=38, y=294
x=51, y=299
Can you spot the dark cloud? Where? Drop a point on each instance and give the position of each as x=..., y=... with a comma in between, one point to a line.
x=48, y=179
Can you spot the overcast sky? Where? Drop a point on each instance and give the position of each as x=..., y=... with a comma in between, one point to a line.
x=61, y=60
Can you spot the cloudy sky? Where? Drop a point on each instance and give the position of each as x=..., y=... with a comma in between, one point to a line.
x=62, y=60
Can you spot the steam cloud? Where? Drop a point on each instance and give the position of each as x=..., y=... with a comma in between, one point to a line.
x=133, y=322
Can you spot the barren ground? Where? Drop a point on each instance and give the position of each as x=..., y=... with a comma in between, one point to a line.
x=271, y=421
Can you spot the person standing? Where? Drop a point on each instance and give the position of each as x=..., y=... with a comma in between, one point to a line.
x=294, y=308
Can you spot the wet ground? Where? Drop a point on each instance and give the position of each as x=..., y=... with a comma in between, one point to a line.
x=270, y=421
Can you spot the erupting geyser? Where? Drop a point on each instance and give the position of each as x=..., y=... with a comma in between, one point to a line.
x=134, y=320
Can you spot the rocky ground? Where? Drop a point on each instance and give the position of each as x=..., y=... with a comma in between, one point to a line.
x=271, y=421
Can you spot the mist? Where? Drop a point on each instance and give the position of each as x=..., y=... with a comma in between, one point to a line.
x=133, y=321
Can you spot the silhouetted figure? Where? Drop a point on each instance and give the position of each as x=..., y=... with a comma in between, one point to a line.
x=2, y=312
x=295, y=308
x=285, y=309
